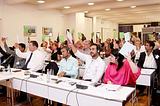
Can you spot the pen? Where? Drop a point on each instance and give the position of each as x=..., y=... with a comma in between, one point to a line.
x=110, y=90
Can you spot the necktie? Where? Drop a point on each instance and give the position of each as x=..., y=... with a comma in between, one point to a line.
x=25, y=67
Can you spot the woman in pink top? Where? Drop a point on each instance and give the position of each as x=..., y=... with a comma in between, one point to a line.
x=121, y=71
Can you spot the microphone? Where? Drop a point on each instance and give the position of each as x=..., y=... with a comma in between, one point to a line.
x=6, y=60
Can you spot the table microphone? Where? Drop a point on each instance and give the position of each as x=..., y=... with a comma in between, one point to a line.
x=6, y=60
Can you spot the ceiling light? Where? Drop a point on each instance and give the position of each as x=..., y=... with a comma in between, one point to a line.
x=107, y=9
x=67, y=7
x=90, y=4
x=119, y=0
x=41, y=1
x=85, y=11
x=133, y=6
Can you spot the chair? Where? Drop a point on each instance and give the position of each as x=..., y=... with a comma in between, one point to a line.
x=53, y=66
x=54, y=71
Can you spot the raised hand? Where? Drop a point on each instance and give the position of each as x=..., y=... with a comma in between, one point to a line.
x=16, y=45
x=128, y=57
x=3, y=39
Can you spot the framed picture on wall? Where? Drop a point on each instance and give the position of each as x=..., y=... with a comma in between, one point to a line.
x=30, y=30
x=47, y=31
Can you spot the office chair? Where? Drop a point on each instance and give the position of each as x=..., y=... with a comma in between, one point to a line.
x=53, y=66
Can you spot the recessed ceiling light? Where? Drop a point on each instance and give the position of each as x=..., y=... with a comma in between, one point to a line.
x=90, y=4
x=66, y=7
x=85, y=11
x=107, y=9
x=41, y=1
x=133, y=6
x=119, y=0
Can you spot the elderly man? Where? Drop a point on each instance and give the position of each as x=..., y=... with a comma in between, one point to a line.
x=86, y=46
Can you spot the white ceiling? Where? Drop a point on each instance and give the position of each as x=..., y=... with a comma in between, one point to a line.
x=120, y=11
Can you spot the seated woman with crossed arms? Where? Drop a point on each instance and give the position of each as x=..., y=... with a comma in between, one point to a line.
x=121, y=71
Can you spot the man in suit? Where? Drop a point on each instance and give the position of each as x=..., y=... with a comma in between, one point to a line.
x=149, y=59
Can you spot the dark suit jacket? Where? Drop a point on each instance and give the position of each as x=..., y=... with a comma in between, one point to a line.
x=156, y=53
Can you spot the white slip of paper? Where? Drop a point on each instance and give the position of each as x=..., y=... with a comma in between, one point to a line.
x=69, y=36
x=127, y=48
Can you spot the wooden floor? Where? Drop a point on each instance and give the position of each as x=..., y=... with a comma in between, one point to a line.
x=38, y=101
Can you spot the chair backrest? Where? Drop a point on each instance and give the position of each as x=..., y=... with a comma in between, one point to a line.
x=101, y=80
x=53, y=66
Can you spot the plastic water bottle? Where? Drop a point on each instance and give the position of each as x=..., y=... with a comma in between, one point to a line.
x=48, y=76
x=9, y=69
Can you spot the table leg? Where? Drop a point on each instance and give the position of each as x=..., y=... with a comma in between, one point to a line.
x=149, y=95
x=132, y=99
x=8, y=96
x=12, y=93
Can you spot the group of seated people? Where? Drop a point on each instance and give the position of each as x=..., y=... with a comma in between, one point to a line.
x=122, y=70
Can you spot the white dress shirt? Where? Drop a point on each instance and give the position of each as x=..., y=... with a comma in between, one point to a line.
x=36, y=61
x=149, y=61
x=138, y=52
x=47, y=55
x=94, y=68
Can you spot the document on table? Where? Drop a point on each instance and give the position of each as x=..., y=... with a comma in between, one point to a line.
x=112, y=87
x=147, y=71
x=119, y=94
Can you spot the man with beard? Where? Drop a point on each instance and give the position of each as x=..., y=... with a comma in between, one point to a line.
x=95, y=66
x=150, y=59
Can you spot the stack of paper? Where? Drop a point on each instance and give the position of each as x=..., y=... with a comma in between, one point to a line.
x=112, y=87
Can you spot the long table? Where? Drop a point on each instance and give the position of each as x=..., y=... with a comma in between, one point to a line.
x=7, y=79
x=62, y=92
x=145, y=79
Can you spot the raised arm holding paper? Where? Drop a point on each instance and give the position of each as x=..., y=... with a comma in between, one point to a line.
x=95, y=66
x=122, y=71
x=18, y=61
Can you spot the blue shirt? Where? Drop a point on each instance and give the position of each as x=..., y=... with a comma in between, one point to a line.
x=70, y=66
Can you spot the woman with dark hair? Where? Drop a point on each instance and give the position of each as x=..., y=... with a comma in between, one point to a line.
x=107, y=49
x=55, y=55
x=121, y=71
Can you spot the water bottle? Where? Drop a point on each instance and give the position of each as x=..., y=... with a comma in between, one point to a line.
x=48, y=76
x=9, y=69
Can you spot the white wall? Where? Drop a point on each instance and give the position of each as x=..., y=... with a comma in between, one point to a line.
x=108, y=27
x=15, y=17
x=137, y=28
x=88, y=28
x=77, y=22
x=80, y=24
x=88, y=25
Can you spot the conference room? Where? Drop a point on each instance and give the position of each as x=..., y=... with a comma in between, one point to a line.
x=47, y=39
